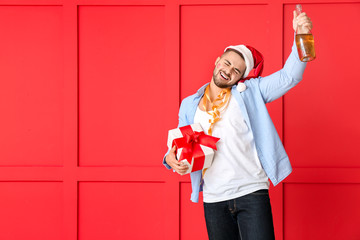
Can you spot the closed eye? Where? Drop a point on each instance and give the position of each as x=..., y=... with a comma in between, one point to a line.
x=227, y=63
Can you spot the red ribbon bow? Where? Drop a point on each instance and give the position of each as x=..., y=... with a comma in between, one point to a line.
x=190, y=144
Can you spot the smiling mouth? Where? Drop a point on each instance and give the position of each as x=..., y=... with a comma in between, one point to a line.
x=224, y=76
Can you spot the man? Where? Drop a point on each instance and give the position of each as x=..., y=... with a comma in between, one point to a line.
x=236, y=199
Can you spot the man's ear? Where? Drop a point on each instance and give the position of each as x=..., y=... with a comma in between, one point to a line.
x=217, y=60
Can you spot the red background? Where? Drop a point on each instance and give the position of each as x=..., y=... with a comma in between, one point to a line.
x=89, y=89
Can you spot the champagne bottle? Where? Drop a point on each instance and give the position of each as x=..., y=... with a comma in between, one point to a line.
x=304, y=41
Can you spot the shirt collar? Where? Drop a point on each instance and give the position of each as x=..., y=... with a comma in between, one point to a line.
x=201, y=91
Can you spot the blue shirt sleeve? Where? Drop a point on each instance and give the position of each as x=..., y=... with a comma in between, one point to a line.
x=277, y=84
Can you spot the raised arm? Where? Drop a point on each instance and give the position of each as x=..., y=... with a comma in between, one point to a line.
x=278, y=83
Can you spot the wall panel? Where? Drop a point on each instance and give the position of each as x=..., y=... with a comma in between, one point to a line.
x=207, y=29
x=192, y=222
x=321, y=211
x=321, y=116
x=31, y=86
x=121, y=84
x=116, y=210
x=205, y=32
x=31, y=210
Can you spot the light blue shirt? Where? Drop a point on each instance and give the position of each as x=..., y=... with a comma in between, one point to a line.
x=259, y=91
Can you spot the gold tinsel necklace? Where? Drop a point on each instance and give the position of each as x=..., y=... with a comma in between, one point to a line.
x=217, y=106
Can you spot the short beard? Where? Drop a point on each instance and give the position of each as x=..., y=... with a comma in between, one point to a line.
x=220, y=84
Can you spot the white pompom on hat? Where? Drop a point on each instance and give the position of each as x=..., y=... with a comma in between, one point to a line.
x=253, y=59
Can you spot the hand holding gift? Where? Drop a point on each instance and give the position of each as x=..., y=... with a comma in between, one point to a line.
x=171, y=160
x=191, y=149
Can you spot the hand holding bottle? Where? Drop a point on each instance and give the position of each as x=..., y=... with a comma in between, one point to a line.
x=301, y=22
x=304, y=39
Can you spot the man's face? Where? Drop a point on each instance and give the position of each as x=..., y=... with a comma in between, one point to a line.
x=229, y=68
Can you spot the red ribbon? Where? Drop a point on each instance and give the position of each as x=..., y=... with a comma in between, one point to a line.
x=190, y=144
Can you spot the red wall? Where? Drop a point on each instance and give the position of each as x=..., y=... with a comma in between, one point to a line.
x=89, y=89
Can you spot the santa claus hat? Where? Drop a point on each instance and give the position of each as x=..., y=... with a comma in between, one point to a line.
x=253, y=59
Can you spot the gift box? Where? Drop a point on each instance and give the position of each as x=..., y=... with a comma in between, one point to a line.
x=194, y=147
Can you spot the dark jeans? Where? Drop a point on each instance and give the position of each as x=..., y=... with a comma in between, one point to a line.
x=246, y=218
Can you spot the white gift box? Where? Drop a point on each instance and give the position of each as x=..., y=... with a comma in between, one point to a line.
x=208, y=152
